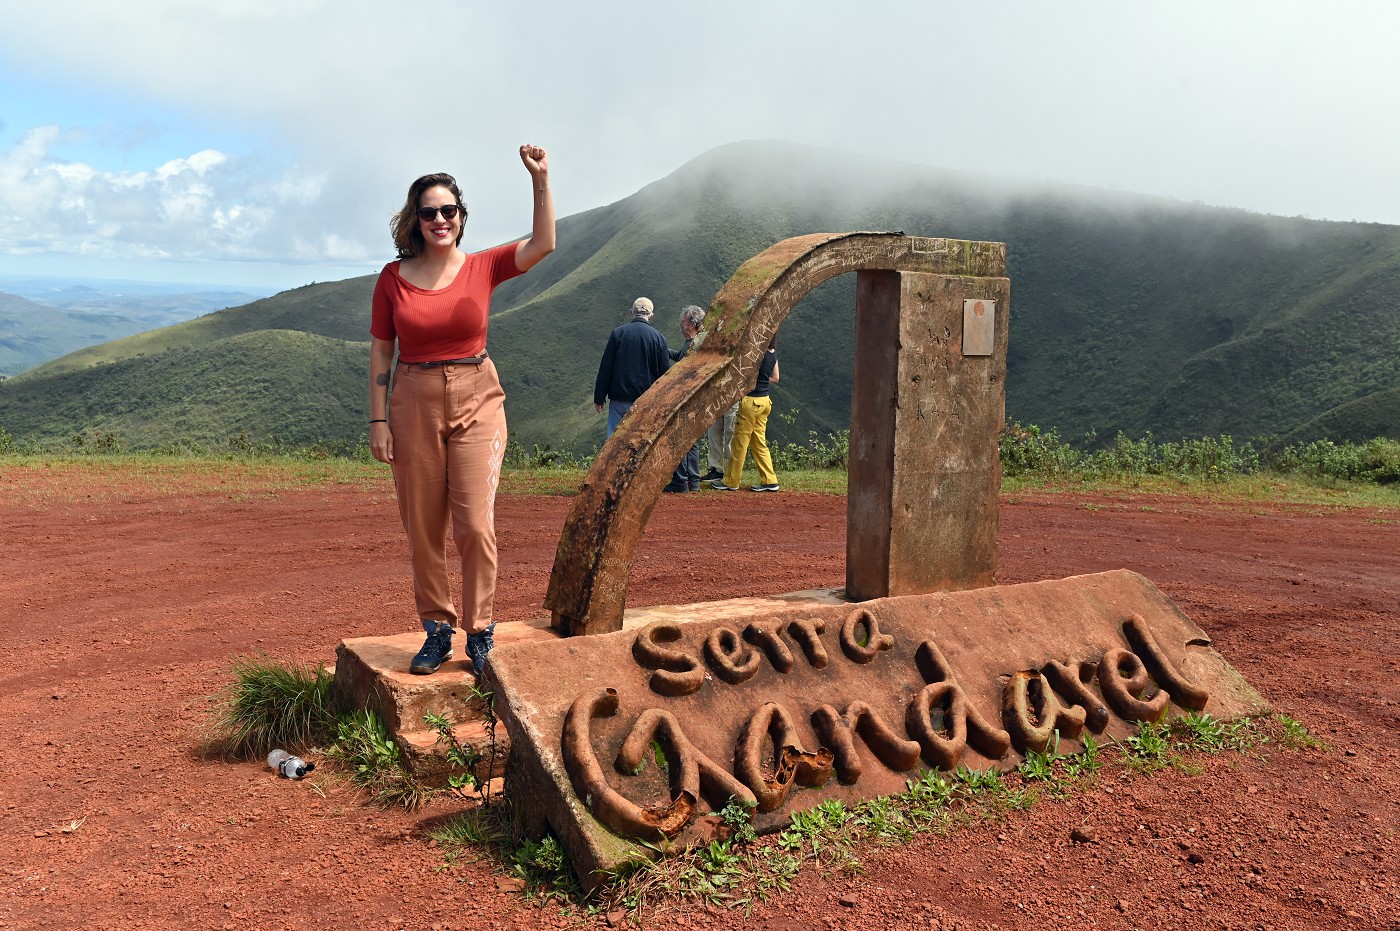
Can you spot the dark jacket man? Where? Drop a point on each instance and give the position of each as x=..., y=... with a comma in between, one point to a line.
x=636, y=356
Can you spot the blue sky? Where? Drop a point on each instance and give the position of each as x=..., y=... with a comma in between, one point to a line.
x=109, y=130
x=264, y=143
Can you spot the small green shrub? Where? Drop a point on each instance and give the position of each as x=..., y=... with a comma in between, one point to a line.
x=465, y=760
x=1376, y=460
x=545, y=869
x=1086, y=762
x=1025, y=450
x=544, y=457
x=737, y=815
x=1298, y=737
x=1049, y=768
x=1199, y=731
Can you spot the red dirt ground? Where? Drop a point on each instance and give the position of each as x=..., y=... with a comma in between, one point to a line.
x=123, y=611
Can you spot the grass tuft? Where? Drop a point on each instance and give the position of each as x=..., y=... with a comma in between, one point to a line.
x=271, y=704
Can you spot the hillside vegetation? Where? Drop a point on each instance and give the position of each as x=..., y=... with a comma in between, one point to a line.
x=1128, y=313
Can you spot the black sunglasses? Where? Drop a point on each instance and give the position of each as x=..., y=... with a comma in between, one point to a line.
x=449, y=211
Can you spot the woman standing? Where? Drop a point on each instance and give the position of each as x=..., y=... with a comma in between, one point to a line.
x=444, y=433
x=751, y=430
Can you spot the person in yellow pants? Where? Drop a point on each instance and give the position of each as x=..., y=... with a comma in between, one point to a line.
x=751, y=430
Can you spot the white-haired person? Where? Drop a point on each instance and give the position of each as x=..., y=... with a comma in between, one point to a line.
x=687, y=474
x=443, y=429
x=634, y=358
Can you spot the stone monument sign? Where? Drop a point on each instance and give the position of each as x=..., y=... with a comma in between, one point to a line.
x=637, y=735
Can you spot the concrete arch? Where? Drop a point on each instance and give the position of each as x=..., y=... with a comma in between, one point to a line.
x=588, y=586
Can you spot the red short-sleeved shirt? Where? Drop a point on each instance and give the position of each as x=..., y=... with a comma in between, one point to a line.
x=449, y=323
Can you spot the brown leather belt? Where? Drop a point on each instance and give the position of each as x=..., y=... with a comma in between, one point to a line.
x=469, y=360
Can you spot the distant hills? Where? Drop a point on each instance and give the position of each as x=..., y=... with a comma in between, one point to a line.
x=43, y=319
x=1127, y=313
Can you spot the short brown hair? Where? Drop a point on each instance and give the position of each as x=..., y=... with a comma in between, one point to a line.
x=408, y=238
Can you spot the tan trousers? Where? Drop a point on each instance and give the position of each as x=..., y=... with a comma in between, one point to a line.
x=449, y=429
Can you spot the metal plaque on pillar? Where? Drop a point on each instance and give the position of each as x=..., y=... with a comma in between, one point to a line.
x=979, y=327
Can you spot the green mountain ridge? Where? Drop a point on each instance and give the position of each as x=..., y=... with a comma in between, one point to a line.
x=1128, y=313
x=298, y=387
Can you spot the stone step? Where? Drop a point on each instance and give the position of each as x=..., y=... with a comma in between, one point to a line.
x=372, y=672
x=426, y=758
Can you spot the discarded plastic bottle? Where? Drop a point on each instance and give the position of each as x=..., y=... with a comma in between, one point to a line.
x=293, y=767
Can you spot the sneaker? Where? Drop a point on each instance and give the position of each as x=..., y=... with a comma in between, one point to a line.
x=718, y=485
x=712, y=475
x=437, y=649
x=478, y=645
x=770, y=487
x=674, y=488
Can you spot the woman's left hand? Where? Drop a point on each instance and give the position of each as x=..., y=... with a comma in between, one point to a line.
x=536, y=159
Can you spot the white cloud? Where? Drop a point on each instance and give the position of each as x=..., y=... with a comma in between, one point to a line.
x=189, y=208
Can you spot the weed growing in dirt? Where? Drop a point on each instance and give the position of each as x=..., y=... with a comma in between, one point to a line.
x=468, y=762
x=1045, y=768
x=364, y=746
x=460, y=757
x=493, y=830
x=272, y=704
x=742, y=869
x=1084, y=764
x=1040, y=765
x=1201, y=731
x=545, y=869
x=734, y=873
x=737, y=816
x=739, y=870
x=1160, y=744
x=1149, y=749
x=476, y=827
x=1297, y=737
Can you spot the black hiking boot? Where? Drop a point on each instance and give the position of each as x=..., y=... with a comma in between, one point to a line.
x=478, y=645
x=437, y=649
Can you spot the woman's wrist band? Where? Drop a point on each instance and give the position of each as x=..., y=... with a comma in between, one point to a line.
x=379, y=421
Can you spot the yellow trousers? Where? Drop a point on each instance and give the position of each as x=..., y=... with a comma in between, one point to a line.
x=751, y=429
